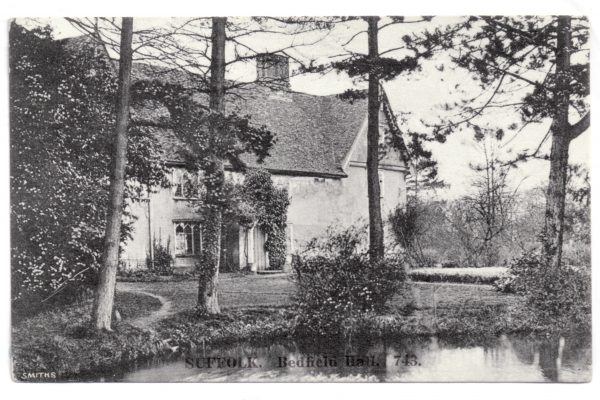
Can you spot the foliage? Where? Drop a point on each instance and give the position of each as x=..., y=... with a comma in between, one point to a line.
x=210, y=139
x=194, y=123
x=337, y=283
x=62, y=110
x=409, y=226
x=505, y=47
x=424, y=168
x=162, y=263
x=266, y=205
x=423, y=231
x=499, y=52
x=523, y=234
x=559, y=298
x=492, y=202
x=487, y=275
x=62, y=340
x=432, y=232
x=189, y=329
x=143, y=275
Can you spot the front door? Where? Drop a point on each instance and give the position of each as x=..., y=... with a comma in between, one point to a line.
x=261, y=257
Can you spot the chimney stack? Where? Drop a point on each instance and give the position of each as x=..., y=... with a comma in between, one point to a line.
x=273, y=70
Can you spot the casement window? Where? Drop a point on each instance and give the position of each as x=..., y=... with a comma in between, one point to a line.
x=188, y=238
x=186, y=185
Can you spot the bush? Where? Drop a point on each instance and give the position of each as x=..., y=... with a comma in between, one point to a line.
x=416, y=230
x=559, y=298
x=163, y=260
x=338, y=284
x=458, y=275
x=60, y=105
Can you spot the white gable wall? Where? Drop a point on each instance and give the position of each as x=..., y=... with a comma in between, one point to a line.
x=315, y=204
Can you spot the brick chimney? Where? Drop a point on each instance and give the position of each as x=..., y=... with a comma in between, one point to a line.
x=273, y=70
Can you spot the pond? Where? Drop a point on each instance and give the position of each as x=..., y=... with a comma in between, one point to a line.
x=429, y=359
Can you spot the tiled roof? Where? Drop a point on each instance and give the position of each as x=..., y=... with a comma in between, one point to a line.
x=313, y=133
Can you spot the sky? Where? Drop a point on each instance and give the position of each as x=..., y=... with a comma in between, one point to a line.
x=416, y=96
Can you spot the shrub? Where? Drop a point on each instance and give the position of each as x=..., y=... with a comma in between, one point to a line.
x=416, y=229
x=559, y=298
x=338, y=284
x=458, y=275
x=60, y=105
x=162, y=264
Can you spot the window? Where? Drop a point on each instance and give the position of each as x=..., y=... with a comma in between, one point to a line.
x=381, y=185
x=186, y=185
x=188, y=238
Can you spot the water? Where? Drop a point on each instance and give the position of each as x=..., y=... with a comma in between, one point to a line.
x=501, y=359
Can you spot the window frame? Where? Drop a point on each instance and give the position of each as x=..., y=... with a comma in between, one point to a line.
x=192, y=224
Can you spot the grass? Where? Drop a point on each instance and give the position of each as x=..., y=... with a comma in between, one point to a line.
x=62, y=342
x=254, y=308
x=235, y=291
x=241, y=292
x=135, y=305
x=458, y=275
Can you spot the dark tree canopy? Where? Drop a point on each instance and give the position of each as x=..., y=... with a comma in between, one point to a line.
x=62, y=110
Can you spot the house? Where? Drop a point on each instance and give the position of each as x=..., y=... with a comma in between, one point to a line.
x=319, y=156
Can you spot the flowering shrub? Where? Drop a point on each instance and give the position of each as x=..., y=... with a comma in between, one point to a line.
x=162, y=262
x=560, y=298
x=337, y=284
x=62, y=112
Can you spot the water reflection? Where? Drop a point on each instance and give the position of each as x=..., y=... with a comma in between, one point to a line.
x=501, y=359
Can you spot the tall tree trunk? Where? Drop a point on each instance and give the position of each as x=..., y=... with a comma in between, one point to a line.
x=207, y=286
x=376, y=249
x=105, y=291
x=559, y=153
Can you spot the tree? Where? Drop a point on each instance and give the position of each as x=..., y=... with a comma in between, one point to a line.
x=376, y=248
x=545, y=61
x=562, y=135
x=378, y=66
x=211, y=134
x=207, y=286
x=423, y=168
x=105, y=291
x=227, y=134
x=59, y=192
x=490, y=205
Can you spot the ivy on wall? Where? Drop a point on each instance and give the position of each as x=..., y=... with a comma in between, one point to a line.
x=264, y=204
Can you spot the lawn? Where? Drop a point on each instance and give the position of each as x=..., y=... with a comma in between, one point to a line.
x=247, y=291
x=62, y=341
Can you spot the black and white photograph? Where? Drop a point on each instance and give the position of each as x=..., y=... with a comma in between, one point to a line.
x=359, y=198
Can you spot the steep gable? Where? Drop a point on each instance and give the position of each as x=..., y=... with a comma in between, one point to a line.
x=390, y=157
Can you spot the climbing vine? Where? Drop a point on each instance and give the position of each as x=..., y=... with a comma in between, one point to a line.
x=264, y=204
x=210, y=139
